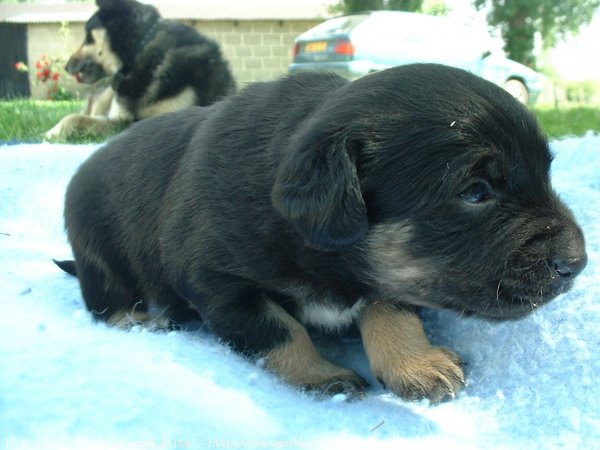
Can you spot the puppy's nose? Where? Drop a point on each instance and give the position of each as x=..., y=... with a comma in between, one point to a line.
x=569, y=267
x=73, y=65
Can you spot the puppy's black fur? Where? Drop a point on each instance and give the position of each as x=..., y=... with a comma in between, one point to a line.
x=311, y=200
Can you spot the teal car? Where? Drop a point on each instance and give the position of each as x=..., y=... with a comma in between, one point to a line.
x=358, y=44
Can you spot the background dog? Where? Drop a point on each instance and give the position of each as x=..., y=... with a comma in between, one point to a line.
x=311, y=201
x=156, y=66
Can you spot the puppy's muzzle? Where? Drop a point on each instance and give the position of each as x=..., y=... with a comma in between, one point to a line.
x=85, y=69
x=541, y=270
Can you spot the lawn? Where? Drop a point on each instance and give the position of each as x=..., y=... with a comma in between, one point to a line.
x=27, y=120
x=569, y=121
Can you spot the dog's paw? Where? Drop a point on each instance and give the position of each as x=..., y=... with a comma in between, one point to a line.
x=345, y=381
x=323, y=378
x=63, y=129
x=129, y=320
x=436, y=375
x=54, y=133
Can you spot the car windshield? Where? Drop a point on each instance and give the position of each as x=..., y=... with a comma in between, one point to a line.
x=339, y=25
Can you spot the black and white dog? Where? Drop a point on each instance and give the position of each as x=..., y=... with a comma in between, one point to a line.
x=156, y=66
x=315, y=201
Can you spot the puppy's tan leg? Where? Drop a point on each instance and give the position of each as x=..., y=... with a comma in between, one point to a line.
x=402, y=358
x=165, y=316
x=299, y=362
x=62, y=129
x=79, y=123
x=126, y=319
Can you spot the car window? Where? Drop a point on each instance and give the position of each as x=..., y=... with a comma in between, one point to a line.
x=429, y=37
x=398, y=24
x=339, y=25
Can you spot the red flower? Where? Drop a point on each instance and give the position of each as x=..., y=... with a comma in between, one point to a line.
x=48, y=72
x=21, y=66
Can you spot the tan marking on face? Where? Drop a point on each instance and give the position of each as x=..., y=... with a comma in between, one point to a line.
x=104, y=54
x=387, y=248
x=84, y=51
x=402, y=358
x=393, y=271
x=299, y=363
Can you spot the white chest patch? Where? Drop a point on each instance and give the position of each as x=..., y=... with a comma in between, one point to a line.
x=330, y=316
x=117, y=112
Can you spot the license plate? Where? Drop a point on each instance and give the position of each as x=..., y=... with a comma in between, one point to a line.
x=313, y=47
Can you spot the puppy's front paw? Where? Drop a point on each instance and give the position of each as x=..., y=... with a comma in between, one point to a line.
x=436, y=375
x=299, y=363
x=55, y=132
x=402, y=358
x=338, y=381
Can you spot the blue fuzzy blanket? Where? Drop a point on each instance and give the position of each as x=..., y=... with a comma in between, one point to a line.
x=66, y=382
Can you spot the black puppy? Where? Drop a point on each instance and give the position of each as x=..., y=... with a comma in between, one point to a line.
x=314, y=201
x=156, y=66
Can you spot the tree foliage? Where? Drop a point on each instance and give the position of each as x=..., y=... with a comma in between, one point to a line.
x=519, y=20
x=405, y=5
x=352, y=6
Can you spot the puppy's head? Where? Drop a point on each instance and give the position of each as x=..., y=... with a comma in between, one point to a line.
x=94, y=59
x=113, y=36
x=442, y=180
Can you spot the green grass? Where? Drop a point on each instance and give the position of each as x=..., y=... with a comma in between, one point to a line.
x=569, y=121
x=27, y=120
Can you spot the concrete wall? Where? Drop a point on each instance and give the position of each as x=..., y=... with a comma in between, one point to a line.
x=256, y=50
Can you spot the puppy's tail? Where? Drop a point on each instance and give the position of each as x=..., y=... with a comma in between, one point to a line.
x=68, y=266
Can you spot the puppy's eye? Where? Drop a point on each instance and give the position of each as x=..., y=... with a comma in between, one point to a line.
x=476, y=193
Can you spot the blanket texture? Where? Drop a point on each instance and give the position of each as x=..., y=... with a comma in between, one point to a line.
x=67, y=382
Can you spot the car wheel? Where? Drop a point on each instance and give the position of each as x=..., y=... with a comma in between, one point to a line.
x=517, y=89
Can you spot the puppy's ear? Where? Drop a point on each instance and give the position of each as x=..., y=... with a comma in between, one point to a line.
x=317, y=190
